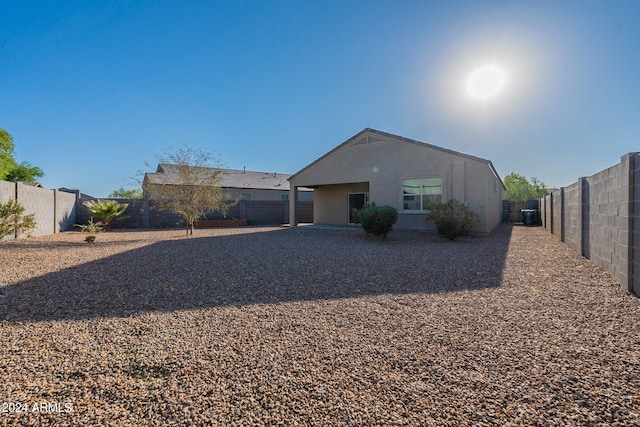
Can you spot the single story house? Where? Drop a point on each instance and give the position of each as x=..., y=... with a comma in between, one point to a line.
x=375, y=166
x=238, y=184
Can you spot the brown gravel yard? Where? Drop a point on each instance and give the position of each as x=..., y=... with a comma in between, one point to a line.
x=309, y=326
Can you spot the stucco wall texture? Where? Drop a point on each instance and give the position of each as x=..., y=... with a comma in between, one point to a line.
x=380, y=166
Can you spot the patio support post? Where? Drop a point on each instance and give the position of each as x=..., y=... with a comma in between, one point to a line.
x=293, y=205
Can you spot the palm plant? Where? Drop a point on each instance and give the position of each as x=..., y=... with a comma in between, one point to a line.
x=106, y=210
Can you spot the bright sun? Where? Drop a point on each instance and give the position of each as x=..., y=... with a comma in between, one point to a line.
x=485, y=82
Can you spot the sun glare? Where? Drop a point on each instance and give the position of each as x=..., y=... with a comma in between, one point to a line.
x=485, y=82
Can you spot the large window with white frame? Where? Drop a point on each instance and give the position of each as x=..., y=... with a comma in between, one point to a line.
x=419, y=192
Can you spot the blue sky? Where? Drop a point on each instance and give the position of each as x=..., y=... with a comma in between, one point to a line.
x=91, y=91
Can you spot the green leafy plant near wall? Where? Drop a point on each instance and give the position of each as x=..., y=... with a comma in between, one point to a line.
x=12, y=219
x=91, y=228
x=378, y=220
x=106, y=210
x=452, y=218
x=356, y=212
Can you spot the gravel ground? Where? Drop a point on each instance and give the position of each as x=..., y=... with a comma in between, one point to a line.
x=308, y=326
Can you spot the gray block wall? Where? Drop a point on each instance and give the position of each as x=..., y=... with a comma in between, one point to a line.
x=556, y=216
x=141, y=213
x=40, y=203
x=572, y=216
x=599, y=217
x=53, y=210
x=65, y=210
x=635, y=223
x=547, y=212
x=137, y=213
x=7, y=191
x=607, y=227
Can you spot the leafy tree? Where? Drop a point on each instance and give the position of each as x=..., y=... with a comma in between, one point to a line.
x=12, y=219
x=10, y=169
x=519, y=189
x=7, y=162
x=24, y=172
x=106, y=210
x=122, y=193
x=187, y=184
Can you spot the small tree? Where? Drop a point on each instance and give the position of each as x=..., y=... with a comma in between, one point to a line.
x=122, y=193
x=452, y=218
x=106, y=210
x=519, y=189
x=378, y=220
x=10, y=169
x=187, y=183
x=12, y=219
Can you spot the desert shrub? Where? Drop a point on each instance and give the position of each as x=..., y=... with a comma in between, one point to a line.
x=13, y=220
x=356, y=212
x=378, y=220
x=452, y=218
x=91, y=227
x=106, y=210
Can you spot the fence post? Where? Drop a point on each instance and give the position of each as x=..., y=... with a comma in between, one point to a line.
x=55, y=212
x=562, y=215
x=633, y=285
x=551, y=212
x=15, y=232
x=634, y=214
x=582, y=214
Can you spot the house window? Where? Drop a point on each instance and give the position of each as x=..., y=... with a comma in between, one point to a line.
x=418, y=193
x=245, y=196
x=284, y=197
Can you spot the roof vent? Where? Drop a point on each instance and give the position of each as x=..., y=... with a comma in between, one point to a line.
x=368, y=140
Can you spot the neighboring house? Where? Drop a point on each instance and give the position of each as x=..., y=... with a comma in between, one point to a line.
x=375, y=166
x=238, y=184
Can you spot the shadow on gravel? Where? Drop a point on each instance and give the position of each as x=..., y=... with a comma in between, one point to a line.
x=258, y=268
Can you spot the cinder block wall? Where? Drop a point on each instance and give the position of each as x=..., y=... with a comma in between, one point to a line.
x=599, y=217
x=136, y=214
x=635, y=235
x=257, y=212
x=556, y=217
x=572, y=213
x=65, y=210
x=41, y=203
x=53, y=210
x=7, y=191
x=546, y=218
x=607, y=226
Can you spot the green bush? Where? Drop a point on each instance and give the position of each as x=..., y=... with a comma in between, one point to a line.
x=378, y=220
x=107, y=210
x=13, y=220
x=452, y=218
x=356, y=212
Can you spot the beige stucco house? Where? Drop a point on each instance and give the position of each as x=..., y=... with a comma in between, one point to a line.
x=375, y=166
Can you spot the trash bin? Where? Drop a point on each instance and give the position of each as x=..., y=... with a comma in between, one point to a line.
x=529, y=217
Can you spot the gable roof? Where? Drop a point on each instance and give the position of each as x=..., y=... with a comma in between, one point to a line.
x=229, y=178
x=361, y=138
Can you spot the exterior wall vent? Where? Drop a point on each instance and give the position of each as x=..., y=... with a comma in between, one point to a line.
x=368, y=140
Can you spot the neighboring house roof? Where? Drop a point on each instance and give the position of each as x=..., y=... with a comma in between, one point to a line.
x=368, y=139
x=32, y=184
x=229, y=178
